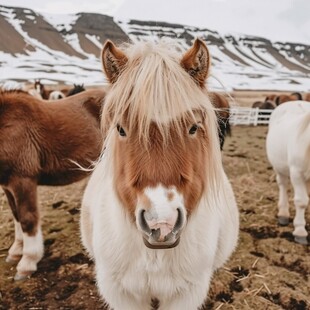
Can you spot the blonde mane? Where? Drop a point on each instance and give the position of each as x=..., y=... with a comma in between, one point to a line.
x=153, y=88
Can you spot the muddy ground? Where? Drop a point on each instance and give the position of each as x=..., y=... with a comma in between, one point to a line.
x=267, y=271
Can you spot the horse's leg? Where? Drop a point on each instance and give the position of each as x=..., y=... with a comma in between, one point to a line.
x=16, y=250
x=25, y=193
x=283, y=205
x=116, y=297
x=193, y=298
x=301, y=201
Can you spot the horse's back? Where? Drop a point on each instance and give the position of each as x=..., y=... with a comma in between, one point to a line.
x=288, y=137
x=289, y=110
x=76, y=136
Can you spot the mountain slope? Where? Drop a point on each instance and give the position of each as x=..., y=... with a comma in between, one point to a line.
x=66, y=49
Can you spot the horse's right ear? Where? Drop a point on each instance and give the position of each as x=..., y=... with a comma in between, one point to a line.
x=113, y=61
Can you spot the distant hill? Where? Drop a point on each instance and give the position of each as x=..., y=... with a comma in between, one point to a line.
x=66, y=49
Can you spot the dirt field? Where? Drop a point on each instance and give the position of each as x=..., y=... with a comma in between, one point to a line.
x=267, y=271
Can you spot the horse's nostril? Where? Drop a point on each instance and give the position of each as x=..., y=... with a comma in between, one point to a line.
x=160, y=231
x=143, y=224
x=179, y=222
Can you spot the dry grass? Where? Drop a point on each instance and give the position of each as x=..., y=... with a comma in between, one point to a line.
x=267, y=271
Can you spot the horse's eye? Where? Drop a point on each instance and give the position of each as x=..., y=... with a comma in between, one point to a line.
x=121, y=130
x=193, y=129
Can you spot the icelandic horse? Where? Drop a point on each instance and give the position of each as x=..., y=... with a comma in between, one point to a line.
x=288, y=151
x=42, y=144
x=158, y=215
x=286, y=98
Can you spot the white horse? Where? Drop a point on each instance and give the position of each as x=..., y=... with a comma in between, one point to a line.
x=158, y=215
x=288, y=150
x=56, y=95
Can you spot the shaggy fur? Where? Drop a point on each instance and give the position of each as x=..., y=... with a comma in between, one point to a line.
x=158, y=215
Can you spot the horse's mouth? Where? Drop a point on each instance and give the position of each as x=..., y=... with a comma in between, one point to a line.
x=161, y=244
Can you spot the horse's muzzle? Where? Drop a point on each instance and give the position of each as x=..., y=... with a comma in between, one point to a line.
x=161, y=237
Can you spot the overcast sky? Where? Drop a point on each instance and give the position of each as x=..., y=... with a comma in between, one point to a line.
x=284, y=20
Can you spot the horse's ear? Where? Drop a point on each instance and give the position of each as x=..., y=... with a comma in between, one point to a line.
x=196, y=62
x=113, y=60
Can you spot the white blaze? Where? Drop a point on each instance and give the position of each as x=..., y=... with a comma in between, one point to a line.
x=163, y=213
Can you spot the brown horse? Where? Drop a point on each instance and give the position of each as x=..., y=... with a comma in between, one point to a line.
x=42, y=144
x=271, y=98
x=221, y=104
x=285, y=98
x=307, y=97
x=266, y=105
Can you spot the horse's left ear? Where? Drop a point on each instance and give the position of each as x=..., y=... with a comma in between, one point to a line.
x=113, y=60
x=196, y=62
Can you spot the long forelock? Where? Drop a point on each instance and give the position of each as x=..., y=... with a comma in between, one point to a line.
x=154, y=88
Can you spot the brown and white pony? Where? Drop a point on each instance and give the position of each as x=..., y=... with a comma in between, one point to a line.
x=223, y=114
x=41, y=144
x=158, y=215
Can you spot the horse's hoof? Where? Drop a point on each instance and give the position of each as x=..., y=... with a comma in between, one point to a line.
x=283, y=220
x=22, y=276
x=13, y=259
x=301, y=240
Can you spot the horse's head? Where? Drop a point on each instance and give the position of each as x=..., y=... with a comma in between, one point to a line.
x=162, y=129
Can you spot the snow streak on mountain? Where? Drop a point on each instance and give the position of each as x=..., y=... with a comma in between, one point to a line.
x=66, y=49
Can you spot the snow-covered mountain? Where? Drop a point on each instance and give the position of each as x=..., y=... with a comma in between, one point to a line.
x=66, y=49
